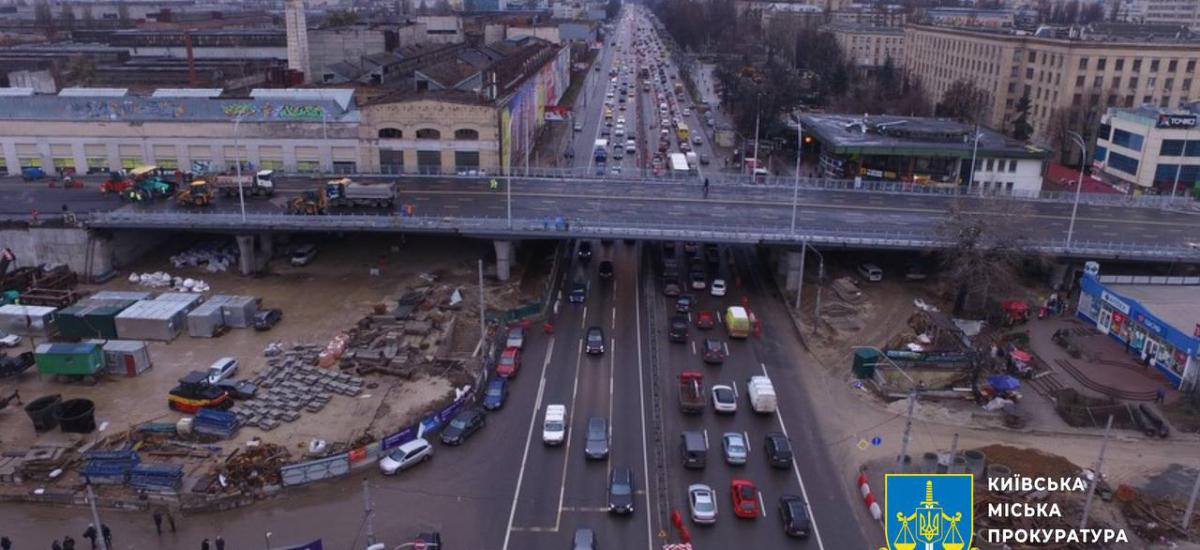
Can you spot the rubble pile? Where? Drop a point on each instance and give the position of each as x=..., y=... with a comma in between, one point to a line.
x=1155, y=519
x=162, y=279
x=292, y=383
x=402, y=342
x=215, y=256
x=253, y=467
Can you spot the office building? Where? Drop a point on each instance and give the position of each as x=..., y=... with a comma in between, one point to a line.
x=869, y=46
x=1150, y=149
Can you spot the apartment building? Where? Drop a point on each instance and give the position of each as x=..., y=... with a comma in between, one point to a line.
x=867, y=46
x=1170, y=12
x=1076, y=72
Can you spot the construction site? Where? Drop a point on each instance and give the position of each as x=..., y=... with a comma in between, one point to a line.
x=330, y=354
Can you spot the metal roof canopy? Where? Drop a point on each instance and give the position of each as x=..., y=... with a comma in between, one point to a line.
x=342, y=96
x=209, y=93
x=80, y=91
x=9, y=92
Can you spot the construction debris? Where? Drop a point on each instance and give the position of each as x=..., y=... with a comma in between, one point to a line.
x=162, y=279
x=216, y=256
x=253, y=467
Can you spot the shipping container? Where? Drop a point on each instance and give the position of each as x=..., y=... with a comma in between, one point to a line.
x=90, y=319
x=192, y=300
x=239, y=311
x=78, y=359
x=126, y=357
x=206, y=320
x=27, y=320
x=135, y=295
x=152, y=320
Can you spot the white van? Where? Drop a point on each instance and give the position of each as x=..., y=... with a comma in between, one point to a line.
x=221, y=369
x=303, y=254
x=554, y=427
x=870, y=272
x=761, y=393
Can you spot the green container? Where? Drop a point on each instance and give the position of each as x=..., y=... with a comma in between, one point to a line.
x=90, y=319
x=78, y=359
x=864, y=363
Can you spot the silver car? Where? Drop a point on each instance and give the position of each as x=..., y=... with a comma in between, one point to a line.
x=703, y=503
x=734, y=445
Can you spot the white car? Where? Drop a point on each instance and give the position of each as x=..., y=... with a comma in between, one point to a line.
x=405, y=456
x=221, y=369
x=702, y=502
x=717, y=288
x=724, y=398
x=9, y=340
x=554, y=427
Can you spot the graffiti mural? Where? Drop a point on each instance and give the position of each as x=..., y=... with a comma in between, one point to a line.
x=115, y=109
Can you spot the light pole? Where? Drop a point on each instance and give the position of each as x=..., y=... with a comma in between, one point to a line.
x=1179, y=167
x=1078, y=139
x=237, y=156
x=757, y=114
x=796, y=187
x=974, y=152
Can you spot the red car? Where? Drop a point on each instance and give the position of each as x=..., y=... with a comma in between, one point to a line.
x=509, y=364
x=745, y=499
x=705, y=319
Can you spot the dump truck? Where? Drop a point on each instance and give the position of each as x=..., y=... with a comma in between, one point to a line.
x=691, y=392
x=737, y=322
x=308, y=203
x=347, y=192
x=259, y=184
x=198, y=193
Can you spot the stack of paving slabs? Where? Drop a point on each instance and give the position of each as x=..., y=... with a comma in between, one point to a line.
x=386, y=345
x=40, y=461
x=290, y=385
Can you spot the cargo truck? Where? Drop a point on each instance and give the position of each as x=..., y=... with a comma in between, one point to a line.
x=346, y=192
x=761, y=393
x=691, y=392
x=737, y=322
x=258, y=184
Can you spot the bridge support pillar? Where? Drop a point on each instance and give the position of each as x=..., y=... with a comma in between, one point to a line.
x=794, y=265
x=504, y=253
x=267, y=246
x=247, y=261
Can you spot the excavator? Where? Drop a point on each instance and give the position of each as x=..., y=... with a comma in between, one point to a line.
x=197, y=194
x=308, y=203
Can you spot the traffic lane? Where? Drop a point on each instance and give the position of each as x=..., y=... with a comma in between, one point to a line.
x=25, y=198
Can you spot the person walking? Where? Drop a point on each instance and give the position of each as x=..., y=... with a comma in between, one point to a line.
x=494, y=184
x=158, y=518
x=706, y=188
x=1160, y=395
x=68, y=543
x=5, y=544
x=204, y=545
x=107, y=533
x=90, y=534
x=171, y=520
x=220, y=543
x=54, y=545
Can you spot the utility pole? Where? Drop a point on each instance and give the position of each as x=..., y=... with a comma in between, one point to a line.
x=96, y=519
x=1191, y=507
x=1087, y=504
x=800, y=282
x=950, y=458
x=482, y=312
x=370, y=512
x=796, y=186
x=912, y=403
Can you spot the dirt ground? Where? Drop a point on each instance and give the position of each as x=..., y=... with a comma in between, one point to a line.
x=318, y=300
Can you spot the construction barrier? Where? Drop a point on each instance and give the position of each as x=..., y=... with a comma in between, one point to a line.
x=869, y=497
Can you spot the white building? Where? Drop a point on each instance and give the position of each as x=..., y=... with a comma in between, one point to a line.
x=1149, y=149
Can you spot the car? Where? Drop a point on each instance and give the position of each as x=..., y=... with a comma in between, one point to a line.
x=606, y=269
x=303, y=254
x=698, y=280
x=509, y=363
x=671, y=287
x=697, y=140
x=605, y=132
x=683, y=303
x=702, y=501
x=733, y=444
x=724, y=398
x=794, y=513
x=221, y=369
x=406, y=456
x=683, y=146
x=677, y=329
x=713, y=351
x=462, y=426
x=594, y=341
x=516, y=337
x=578, y=293
x=687, y=112
x=620, y=490
x=704, y=160
x=616, y=170
x=595, y=443
x=870, y=272
x=495, y=394
x=266, y=319
x=9, y=340
x=618, y=153
x=630, y=148
x=585, y=251
x=432, y=540
x=778, y=450
x=705, y=319
x=584, y=539
x=717, y=288
x=745, y=499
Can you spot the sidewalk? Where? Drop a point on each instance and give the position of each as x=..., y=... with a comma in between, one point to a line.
x=1103, y=370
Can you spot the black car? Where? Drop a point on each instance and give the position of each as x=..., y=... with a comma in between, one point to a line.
x=713, y=352
x=594, y=343
x=578, y=293
x=794, y=514
x=585, y=251
x=677, y=330
x=683, y=304
x=595, y=446
x=265, y=319
x=779, y=450
x=620, y=490
x=465, y=423
x=606, y=269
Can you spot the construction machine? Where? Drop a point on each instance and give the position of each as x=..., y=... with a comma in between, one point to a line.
x=197, y=194
x=116, y=183
x=309, y=203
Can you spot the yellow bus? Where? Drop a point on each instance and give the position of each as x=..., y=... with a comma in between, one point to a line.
x=683, y=132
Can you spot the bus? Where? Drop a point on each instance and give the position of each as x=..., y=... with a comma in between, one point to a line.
x=682, y=131
x=678, y=88
x=679, y=164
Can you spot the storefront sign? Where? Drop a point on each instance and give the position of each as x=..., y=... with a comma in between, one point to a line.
x=1150, y=324
x=1176, y=121
x=1115, y=302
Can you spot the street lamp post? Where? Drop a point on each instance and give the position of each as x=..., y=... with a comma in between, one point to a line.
x=757, y=114
x=1078, y=139
x=237, y=156
x=974, y=152
x=1179, y=167
x=796, y=187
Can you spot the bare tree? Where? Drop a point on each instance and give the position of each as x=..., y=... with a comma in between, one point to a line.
x=965, y=101
x=989, y=251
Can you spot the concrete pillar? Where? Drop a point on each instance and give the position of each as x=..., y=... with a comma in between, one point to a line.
x=266, y=246
x=504, y=253
x=246, y=257
x=792, y=261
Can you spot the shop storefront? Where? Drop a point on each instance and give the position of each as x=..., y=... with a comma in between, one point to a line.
x=1155, y=338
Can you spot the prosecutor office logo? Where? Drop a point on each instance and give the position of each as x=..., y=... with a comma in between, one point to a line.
x=929, y=511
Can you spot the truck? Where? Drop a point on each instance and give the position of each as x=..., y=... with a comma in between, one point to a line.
x=347, y=192
x=761, y=393
x=116, y=183
x=693, y=160
x=554, y=428
x=198, y=193
x=679, y=164
x=258, y=184
x=601, y=151
x=691, y=392
x=737, y=322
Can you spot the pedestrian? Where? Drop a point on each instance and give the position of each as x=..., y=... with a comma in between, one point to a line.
x=55, y=545
x=68, y=543
x=706, y=188
x=220, y=543
x=566, y=225
x=546, y=223
x=104, y=530
x=494, y=184
x=90, y=534
x=204, y=544
x=1160, y=395
x=171, y=520
x=5, y=544
x=158, y=517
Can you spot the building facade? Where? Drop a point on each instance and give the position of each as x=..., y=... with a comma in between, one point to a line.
x=869, y=47
x=1169, y=12
x=1072, y=75
x=1150, y=149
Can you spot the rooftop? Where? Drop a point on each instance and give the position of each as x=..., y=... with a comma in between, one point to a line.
x=1178, y=305
x=859, y=28
x=896, y=135
x=1152, y=113
x=1138, y=34
x=292, y=105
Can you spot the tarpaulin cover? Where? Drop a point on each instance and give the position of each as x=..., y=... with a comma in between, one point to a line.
x=1003, y=382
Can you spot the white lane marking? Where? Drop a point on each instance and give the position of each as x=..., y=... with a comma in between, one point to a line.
x=642, y=403
x=725, y=346
x=762, y=507
x=613, y=324
x=562, y=491
x=583, y=318
x=796, y=470
x=693, y=347
x=537, y=404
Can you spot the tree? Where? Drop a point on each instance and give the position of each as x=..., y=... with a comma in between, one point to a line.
x=341, y=18
x=1021, y=129
x=79, y=71
x=988, y=251
x=42, y=15
x=965, y=101
x=67, y=17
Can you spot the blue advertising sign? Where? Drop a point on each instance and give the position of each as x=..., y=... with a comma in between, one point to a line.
x=314, y=545
x=399, y=438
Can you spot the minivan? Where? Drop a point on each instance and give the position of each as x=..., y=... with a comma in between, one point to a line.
x=303, y=254
x=221, y=369
x=870, y=272
x=694, y=446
